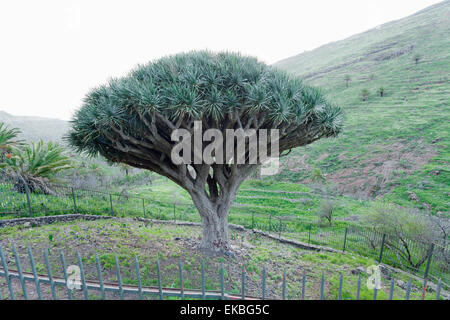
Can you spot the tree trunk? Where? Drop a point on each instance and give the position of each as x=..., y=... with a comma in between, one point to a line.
x=214, y=216
x=215, y=233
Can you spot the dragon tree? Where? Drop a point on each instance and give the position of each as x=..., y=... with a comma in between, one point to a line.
x=132, y=120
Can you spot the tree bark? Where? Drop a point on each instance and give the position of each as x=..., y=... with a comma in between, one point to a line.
x=213, y=195
x=214, y=216
x=215, y=233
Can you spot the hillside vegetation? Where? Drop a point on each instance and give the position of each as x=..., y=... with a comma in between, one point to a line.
x=35, y=128
x=395, y=143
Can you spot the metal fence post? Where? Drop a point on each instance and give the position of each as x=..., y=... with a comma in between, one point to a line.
x=303, y=285
x=263, y=284
x=222, y=281
x=322, y=283
x=111, y=204
x=243, y=283
x=6, y=274
x=309, y=234
x=180, y=270
x=430, y=256
x=158, y=271
x=345, y=240
x=382, y=246
x=427, y=269
x=279, y=232
x=203, y=279
x=253, y=220
x=74, y=201
x=143, y=206
x=27, y=191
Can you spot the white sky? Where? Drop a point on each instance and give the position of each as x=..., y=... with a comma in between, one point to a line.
x=53, y=52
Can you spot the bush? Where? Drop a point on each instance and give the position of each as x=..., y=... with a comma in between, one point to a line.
x=364, y=94
x=325, y=211
x=403, y=223
x=316, y=175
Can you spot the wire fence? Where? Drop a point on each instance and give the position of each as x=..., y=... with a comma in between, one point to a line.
x=427, y=260
x=62, y=276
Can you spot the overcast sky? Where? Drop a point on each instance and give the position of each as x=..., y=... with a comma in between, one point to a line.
x=53, y=52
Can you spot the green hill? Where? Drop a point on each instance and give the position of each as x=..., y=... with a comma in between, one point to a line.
x=396, y=145
x=35, y=128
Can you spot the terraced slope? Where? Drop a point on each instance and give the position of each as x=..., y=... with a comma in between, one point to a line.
x=396, y=145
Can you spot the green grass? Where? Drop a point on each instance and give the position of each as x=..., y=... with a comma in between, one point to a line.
x=280, y=208
x=128, y=239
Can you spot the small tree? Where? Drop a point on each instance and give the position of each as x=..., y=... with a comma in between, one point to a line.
x=364, y=94
x=347, y=80
x=317, y=175
x=125, y=168
x=403, y=226
x=8, y=140
x=381, y=91
x=325, y=211
x=36, y=165
x=417, y=58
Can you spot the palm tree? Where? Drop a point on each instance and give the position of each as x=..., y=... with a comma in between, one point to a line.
x=7, y=142
x=36, y=166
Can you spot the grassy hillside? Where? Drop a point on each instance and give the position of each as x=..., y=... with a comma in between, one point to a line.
x=396, y=145
x=35, y=128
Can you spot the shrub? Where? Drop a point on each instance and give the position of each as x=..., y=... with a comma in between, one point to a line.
x=403, y=223
x=316, y=175
x=325, y=211
x=347, y=80
x=364, y=94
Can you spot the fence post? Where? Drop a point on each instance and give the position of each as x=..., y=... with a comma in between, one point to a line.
x=427, y=269
x=382, y=246
x=430, y=256
x=309, y=234
x=270, y=222
x=74, y=201
x=111, y=204
x=143, y=207
x=243, y=283
x=263, y=284
x=27, y=191
x=174, y=213
x=253, y=220
x=279, y=234
x=345, y=240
